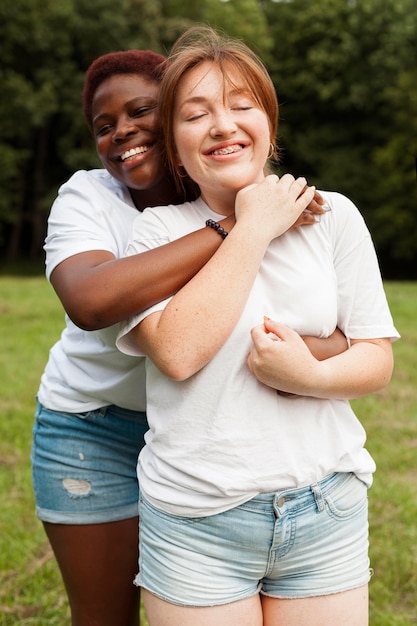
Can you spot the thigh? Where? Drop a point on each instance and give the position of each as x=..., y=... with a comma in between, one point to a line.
x=348, y=608
x=247, y=612
x=98, y=563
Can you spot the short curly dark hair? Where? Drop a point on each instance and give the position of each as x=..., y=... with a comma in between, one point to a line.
x=142, y=62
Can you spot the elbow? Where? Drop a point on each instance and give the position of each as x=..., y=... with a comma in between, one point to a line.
x=176, y=369
x=386, y=378
x=176, y=372
x=388, y=370
x=379, y=383
x=88, y=317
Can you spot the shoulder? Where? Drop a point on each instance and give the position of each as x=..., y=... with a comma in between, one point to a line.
x=176, y=219
x=160, y=225
x=338, y=202
x=343, y=215
x=95, y=182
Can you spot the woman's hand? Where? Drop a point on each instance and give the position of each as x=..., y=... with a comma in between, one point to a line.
x=311, y=215
x=274, y=205
x=281, y=359
x=295, y=203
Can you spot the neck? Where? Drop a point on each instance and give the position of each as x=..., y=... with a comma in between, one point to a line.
x=162, y=194
x=223, y=204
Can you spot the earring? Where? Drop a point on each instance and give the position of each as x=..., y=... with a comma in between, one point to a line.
x=271, y=151
x=181, y=172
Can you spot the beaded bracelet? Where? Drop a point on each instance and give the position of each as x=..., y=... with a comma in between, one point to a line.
x=216, y=226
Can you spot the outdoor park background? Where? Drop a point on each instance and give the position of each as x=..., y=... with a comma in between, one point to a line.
x=345, y=73
x=346, y=76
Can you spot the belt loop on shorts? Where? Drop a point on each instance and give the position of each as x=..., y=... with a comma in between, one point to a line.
x=318, y=496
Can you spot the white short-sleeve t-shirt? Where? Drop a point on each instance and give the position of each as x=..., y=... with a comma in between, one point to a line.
x=220, y=437
x=85, y=370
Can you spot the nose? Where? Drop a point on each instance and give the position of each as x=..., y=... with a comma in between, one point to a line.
x=124, y=127
x=223, y=123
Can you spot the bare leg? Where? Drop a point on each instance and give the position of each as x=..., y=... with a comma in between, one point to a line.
x=349, y=608
x=98, y=563
x=246, y=612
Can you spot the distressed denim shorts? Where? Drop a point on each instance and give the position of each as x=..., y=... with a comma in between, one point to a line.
x=84, y=465
x=295, y=543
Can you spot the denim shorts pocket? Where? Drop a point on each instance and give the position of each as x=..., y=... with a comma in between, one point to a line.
x=168, y=518
x=347, y=499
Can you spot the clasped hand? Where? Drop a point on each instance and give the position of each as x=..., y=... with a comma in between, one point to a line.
x=280, y=359
x=289, y=202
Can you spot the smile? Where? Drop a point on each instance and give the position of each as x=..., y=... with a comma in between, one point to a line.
x=228, y=150
x=133, y=152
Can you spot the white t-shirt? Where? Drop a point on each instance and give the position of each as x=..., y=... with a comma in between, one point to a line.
x=85, y=371
x=220, y=437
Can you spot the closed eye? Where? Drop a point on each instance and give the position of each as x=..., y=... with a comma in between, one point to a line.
x=141, y=111
x=103, y=130
x=194, y=117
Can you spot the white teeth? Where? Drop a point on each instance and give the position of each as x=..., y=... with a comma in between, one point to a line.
x=133, y=152
x=228, y=150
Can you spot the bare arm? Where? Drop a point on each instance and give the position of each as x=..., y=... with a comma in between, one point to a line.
x=288, y=365
x=98, y=290
x=197, y=321
x=323, y=348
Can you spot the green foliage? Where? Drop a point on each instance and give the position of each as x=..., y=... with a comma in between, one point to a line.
x=344, y=70
x=345, y=74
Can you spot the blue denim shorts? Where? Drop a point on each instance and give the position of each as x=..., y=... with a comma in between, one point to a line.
x=296, y=543
x=84, y=465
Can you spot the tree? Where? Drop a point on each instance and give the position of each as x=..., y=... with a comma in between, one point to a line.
x=43, y=135
x=344, y=71
x=345, y=74
x=43, y=138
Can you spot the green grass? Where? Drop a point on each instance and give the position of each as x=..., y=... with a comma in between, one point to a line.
x=390, y=418
x=31, y=591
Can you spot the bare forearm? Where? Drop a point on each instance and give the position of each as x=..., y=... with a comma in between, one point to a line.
x=198, y=320
x=324, y=348
x=365, y=368
x=98, y=290
x=288, y=364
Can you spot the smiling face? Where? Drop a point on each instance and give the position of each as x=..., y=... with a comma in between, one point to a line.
x=126, y=130
x=221, y=134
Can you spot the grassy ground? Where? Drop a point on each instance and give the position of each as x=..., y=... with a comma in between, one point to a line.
x=31, y=591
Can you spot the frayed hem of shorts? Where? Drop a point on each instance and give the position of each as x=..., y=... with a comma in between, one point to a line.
x=315, y=594
x=194, y=606
x=83, y=519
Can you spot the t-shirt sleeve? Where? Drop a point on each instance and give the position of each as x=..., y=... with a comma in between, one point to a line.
x=149, y=231
x=76, y=222
x=362, y=304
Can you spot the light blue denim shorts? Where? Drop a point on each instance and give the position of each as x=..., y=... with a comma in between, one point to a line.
x=84, y=464
x=296, y=543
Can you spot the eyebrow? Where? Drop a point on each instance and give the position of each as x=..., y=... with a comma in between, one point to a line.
x=237, y=91
x=193, y=100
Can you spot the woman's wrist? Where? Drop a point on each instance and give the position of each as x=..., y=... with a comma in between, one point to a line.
x=228, y=222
